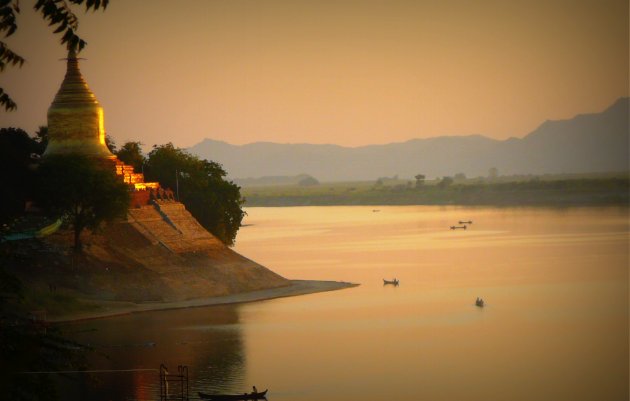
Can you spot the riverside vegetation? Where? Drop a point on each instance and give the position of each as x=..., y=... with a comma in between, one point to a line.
x=201, y=185
x=552, y=190
x=110, y=264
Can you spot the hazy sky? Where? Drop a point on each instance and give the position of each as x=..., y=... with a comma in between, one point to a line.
x=330, y=71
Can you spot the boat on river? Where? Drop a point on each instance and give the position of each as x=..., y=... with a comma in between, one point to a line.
x=392, y=282
x=225, y=397
x=480, y=303
x=458, y=227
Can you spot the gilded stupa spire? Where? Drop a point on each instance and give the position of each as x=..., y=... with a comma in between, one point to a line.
x=74, y=90
x=75, y=117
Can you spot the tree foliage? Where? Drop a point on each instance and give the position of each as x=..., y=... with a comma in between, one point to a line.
x=445, y=182
x=41, y=137
x=16, y=173
x=420, y=180
x=110, y=143
x=84, y=191
x=58, y=14
x=201, y=186
x=131, y=153
x=308, y=181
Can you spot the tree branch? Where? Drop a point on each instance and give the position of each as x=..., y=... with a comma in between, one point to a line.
x=58, y=14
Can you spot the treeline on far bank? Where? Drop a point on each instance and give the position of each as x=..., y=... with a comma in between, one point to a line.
x=603, y=191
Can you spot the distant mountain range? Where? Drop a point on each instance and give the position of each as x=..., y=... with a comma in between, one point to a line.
x=587, y=143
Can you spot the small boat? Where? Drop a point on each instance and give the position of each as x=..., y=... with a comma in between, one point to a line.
x=480, y=303
x=392, y=282
x=224, y=397
x=466, y=222
x=456, y=227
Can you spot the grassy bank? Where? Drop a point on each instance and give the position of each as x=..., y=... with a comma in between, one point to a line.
x=529, y=192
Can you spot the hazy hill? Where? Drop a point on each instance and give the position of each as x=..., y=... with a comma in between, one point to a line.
x=586, y=143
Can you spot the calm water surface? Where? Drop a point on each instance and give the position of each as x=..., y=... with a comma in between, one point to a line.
x=555, y=326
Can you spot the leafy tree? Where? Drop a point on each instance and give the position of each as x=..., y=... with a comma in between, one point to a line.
x=460, y=177
x=216, y=205
x=16, y=173
x=58, y=14
x=172, y=166
x=213, y=201
x=308, y=181
x=78, y=187
x=41, y=137
x=445, y=182
x=420, y=180
x=110, y=143
x=131, y=153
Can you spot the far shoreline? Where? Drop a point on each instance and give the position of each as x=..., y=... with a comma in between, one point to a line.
x=112, y=309
x=525, y=191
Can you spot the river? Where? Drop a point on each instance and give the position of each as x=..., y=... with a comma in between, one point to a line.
x=555, y=324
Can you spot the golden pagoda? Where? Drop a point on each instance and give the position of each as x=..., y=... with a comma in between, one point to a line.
x=76, y=125
x=75, y=117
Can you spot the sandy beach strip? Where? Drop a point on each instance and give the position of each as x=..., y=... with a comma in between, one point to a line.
x=297, y=287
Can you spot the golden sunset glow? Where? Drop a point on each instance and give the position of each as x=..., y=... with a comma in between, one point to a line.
x=307, y=200
x=344, y=72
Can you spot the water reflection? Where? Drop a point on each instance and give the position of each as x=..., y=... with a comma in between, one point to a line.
x=555, y=326
x=208, y=340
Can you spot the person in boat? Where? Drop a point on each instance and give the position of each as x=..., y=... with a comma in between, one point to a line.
x=255, y=389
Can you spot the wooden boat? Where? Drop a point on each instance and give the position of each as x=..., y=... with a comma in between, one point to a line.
x=225, y=397
x=392, y=282
x=466, y=222
x=456, y=227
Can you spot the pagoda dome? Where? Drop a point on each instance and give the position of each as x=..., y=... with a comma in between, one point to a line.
x=75, y=118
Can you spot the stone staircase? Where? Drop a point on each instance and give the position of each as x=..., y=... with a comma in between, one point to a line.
x=169, y=223
x=127, y=173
